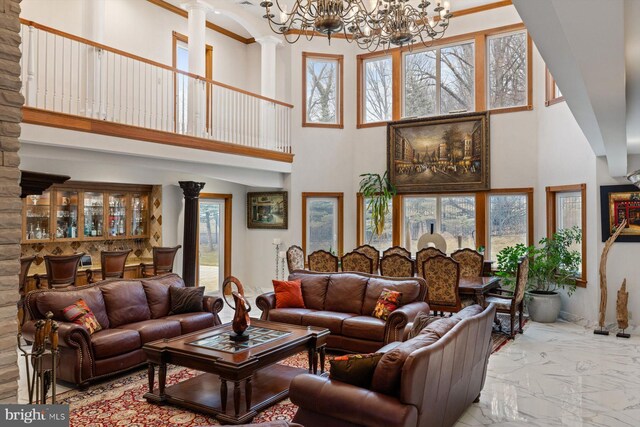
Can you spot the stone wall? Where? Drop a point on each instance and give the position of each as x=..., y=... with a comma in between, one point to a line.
x=10, y=204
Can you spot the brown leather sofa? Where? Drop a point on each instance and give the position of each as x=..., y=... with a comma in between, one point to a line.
x=344, y=302
x=131, y=313
x=436, y=383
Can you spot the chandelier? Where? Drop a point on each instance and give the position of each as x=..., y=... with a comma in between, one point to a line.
x=372, y=24
x=634, y=177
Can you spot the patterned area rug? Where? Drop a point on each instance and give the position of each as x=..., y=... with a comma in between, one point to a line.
x=120, y=402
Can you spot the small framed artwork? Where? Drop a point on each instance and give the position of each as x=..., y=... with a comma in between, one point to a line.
x=267, y=210
x=439, y=154
x=617, y=203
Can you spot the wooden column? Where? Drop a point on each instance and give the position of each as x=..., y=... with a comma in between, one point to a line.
x=191, y=190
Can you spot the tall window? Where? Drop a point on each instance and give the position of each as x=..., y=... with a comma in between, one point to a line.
x=566, y=209
x=507, y=64
x=322, y=97
x=439, y=81
x=452, y=216
x=378, y=90
x=508, y=222
x=322, y=222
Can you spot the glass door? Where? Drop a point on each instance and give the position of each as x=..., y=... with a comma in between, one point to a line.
x=117, y=215
x=93, y=214
x=66, y=208
x=139, y=215
x=38, y=215
x=211, y=240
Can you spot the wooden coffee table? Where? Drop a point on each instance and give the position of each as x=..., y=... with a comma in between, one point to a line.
x=252, y=363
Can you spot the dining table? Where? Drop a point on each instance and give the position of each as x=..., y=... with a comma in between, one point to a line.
x=478, y=287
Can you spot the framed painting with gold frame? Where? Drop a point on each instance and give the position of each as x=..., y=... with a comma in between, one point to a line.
x=267, y=210
x=617, y=203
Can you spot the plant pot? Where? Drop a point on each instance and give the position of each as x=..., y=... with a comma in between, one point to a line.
x=544, y=306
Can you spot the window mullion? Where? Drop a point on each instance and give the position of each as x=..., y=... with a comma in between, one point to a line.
x=438, y=77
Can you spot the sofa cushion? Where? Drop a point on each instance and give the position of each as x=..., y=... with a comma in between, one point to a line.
x=288, y=293
x=186, y=300
x=386, y=378
x=292, y=316
x=56, y=301
x=190, y=322
x=126, y=302
x=326, y=319
x=469, y=311
x=410, y=290
x=80, y=314
x=354, y=369
x=345, y=293
x=154, y=329
x=112, y=342
x=314, y=289
x=157, y=292
x=421, y=321
x=365, y=327
x=389, y=301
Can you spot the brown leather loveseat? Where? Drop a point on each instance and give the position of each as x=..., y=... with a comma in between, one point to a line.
x=131, y=313
x=439, y=375
x=344, y=303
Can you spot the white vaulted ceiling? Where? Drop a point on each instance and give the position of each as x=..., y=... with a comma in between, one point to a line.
x=592, y=49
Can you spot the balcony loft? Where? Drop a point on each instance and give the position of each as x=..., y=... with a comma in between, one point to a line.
x=73, y=83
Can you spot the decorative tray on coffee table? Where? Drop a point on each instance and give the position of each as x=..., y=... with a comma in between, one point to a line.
x=222, y=342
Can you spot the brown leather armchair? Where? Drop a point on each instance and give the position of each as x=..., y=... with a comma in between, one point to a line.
x=437, y=383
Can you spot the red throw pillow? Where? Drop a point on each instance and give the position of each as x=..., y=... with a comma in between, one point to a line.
x=288, y=294
x=80, y=313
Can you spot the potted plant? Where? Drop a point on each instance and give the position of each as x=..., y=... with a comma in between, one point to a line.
x=379, y=190
x=553, y=265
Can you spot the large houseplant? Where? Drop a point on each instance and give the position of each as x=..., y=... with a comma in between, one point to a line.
x=379, y=191
x=553, y=265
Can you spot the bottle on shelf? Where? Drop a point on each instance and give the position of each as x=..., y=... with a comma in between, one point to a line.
x=38, y=232
x=93, y=230
x=74, y=230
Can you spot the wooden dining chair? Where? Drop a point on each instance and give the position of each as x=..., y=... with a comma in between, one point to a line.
x=62, y=270
x=442, y=275
x=358, y=262
x=397, y=265
x=323, y=262
x=471, y=262
x=512, y=302
x=372, y=253
x=397, y=250
x=163, y=258
x=425, y=254
x=295, y=258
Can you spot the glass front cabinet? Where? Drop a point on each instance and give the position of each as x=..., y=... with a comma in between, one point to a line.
x=71, y=212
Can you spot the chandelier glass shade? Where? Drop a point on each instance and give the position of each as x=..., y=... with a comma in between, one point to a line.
x=634, y=177
x=372, y=24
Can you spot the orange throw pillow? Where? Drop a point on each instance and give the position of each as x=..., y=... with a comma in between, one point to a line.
x=288, y=294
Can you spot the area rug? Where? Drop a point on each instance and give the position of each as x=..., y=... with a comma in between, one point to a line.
x=120, y=402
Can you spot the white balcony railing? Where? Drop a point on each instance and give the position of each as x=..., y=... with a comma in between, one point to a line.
x=67, y=74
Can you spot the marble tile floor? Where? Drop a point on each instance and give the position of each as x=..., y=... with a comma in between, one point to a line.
x=553, y=375
x=561, y=374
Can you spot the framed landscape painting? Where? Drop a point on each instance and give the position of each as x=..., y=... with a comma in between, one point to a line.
x=617, y=203
x=267, y=210
x=439, y=154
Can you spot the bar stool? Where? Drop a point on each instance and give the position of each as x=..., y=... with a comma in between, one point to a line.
x=112, y=265
x=62, y=270
x=25, y=264
x=163, y=258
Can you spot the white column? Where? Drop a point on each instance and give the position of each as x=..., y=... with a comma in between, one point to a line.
x=268, y=45
x=93, y=29
x=196, y=33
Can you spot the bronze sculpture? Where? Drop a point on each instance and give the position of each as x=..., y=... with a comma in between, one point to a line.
x=622, y=312
x=241, y=320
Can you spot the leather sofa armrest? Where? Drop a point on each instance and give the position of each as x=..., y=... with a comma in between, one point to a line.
x=350, y=403
x=213, y=305
x=399, y=318
x=266, y=302
x=69, y=334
